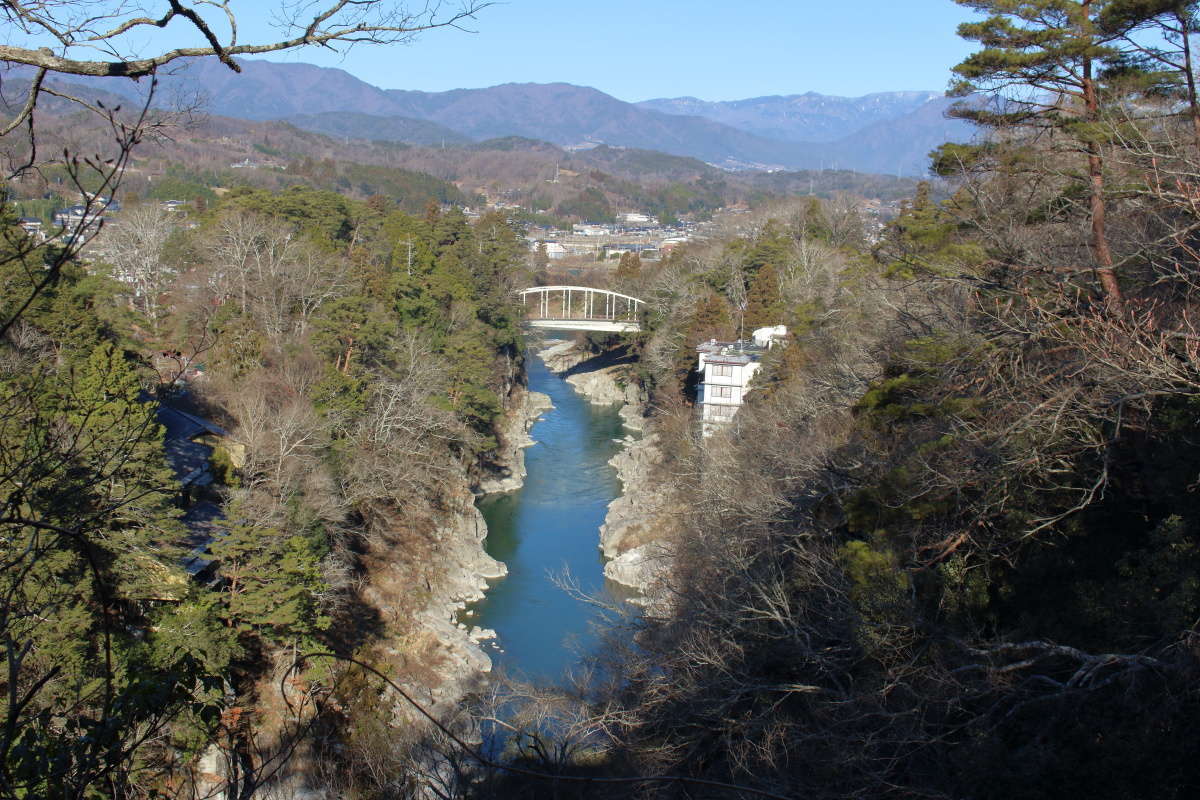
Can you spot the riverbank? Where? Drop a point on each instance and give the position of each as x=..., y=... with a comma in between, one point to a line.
x=443, y=659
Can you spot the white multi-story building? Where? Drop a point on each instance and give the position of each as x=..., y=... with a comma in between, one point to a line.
x=726, y=369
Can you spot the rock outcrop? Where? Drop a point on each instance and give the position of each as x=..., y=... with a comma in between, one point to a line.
x=470, y=567
x=599, y=378
x=634, y=518
x=451, y=662
x=561, y=356
x=641, y=568
x=640, y=526
x=507, y=473
x=607, y=386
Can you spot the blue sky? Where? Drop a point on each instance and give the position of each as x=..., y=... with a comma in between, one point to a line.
x=666, y=48
x=639, y=49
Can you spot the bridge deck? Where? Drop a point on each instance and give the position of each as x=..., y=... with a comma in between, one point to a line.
x=611, y=325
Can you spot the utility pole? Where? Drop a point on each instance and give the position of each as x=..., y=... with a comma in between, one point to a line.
x=408, y=268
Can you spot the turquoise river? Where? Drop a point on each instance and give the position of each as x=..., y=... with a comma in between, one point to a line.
x=549, y=528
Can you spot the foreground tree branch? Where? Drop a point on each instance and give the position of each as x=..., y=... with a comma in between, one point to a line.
x=345, y=22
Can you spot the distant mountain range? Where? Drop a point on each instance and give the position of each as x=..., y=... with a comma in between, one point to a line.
x=807, y=117
x=889, y=132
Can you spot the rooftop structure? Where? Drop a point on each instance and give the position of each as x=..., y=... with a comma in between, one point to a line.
x=34, y=227
x=79, y=218
x=635, y=218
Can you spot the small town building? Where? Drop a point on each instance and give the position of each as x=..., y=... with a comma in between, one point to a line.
x=34, y=227
x=726, y=369
x=669, y=244
x=79, y=217
x=636, y=219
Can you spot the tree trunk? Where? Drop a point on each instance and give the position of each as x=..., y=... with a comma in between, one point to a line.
x=1104, y=259
x=1100, y=248
x=1185, y=34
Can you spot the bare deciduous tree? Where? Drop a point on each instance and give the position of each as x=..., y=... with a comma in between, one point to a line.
x=136, y=248
x=402, y=441
x=275, y=274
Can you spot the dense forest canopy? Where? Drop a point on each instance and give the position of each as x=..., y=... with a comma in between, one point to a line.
x=349, y=371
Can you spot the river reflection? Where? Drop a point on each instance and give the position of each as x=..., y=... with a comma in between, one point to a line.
x=548, y=526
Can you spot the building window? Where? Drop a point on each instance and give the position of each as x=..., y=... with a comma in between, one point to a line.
x=722, y=391
x=721, y=412
x=722, y=370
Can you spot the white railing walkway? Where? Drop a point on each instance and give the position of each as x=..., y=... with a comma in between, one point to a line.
x=582, y=308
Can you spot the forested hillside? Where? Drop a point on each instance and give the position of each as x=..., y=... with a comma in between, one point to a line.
x=358, y=359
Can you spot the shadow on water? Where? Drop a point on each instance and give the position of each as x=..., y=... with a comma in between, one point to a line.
x=548, y=526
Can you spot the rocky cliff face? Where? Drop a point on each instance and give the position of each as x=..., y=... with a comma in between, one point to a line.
x=599, y=380
x=440, y=662
x=417, y=574
x=561, y=356
x=640, y=526
x=469, y=566
x=442, y=658
x=507, y=474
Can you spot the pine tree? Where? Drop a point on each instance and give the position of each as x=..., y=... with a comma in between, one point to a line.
x=1056, y=48
x=629, y=269
x=1167, y=45
x=771, y=246
x=92, y=597
x=925, y=238
x=115, y=471
x=811, y=222
x=541, y=258
x=710, y=320
x=764, y=304
x=272, y=582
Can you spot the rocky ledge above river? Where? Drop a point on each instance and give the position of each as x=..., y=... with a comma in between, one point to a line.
x=639, y=528
x=601, y=379
x=507, y=474
x=452, y=645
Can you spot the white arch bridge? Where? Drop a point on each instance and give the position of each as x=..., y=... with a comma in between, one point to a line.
x=580, y=308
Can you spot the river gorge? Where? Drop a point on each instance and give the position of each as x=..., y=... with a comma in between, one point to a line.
x=547, y=532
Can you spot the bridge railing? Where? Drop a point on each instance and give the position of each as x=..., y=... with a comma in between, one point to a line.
x=579, y=303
